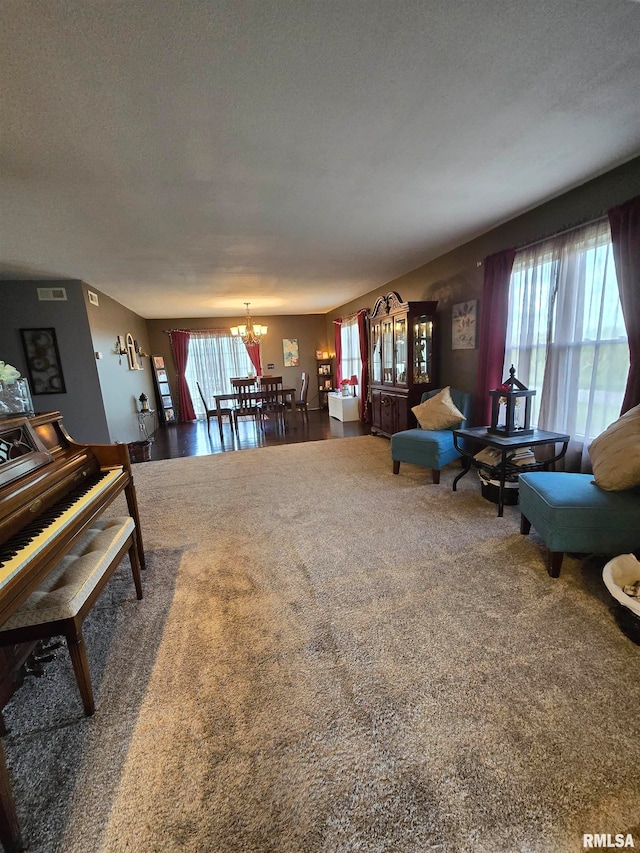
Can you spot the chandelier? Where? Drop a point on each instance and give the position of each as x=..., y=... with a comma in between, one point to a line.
x=249, y=333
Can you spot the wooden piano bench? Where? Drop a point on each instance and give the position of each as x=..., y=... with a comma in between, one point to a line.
x=68, y=593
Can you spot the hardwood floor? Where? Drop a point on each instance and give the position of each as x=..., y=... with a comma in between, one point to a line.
x=192, y=439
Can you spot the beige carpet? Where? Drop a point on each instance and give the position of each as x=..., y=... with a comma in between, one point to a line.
x=333, y=658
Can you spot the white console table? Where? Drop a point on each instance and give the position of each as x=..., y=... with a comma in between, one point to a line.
x=343, y=408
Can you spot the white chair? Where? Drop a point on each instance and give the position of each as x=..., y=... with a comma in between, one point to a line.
x=301, y=402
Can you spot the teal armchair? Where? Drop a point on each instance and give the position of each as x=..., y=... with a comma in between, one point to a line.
x=430, y=448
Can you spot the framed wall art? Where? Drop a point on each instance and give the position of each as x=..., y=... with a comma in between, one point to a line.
x=463, y=325
x=290, y=352
x=43, y=361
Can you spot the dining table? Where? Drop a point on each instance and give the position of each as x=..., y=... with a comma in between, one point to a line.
x=280, y=396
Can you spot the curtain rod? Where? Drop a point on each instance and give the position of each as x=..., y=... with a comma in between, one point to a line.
x=554, y=234
x=211, y=329
x=351, y=316
x=520, y=247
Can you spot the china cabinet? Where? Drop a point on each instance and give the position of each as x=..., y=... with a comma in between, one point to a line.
x=403, y=359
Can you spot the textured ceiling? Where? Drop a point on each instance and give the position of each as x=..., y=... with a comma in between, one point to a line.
x=186, y=156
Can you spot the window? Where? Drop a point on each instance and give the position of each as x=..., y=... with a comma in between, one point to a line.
x=214, y=357
x=565, y=332
x=351, y=363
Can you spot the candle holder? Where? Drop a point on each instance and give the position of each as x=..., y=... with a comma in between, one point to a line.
x=511, y=408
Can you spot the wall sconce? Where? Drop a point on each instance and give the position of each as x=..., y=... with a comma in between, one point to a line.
x=131, y=348
x=120, y=348
x=140, y=351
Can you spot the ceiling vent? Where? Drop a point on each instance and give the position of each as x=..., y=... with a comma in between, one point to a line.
x=52, y=294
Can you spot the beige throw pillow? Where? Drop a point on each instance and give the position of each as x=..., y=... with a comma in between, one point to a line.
x=615, y=453
x=439, y=412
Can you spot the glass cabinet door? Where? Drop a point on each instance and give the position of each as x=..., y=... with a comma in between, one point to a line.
x=422, y=348
x=400, y=338
x=376, y=353
x=387, y=351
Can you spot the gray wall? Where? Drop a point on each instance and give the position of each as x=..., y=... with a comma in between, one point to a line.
x=120, y=387
x=458, y=275
x=101, y=395
x=81, y=405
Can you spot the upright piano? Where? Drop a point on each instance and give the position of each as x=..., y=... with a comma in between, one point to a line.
x=51, y=490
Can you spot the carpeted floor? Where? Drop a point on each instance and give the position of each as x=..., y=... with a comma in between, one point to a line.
x=333, y=658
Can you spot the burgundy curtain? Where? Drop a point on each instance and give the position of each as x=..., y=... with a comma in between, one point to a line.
x=254, y=355
x=624, y=222
x=337, y=336
x=493, y=331
x=364, y=356
x=180, y=348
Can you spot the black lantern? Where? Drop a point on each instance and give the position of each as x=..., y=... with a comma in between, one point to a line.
x=511, y=408
x=144, y=402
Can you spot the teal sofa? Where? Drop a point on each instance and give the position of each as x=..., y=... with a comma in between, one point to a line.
x=430, y=448
x=574, y=515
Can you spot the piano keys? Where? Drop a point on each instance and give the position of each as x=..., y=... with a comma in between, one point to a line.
x=16, y=553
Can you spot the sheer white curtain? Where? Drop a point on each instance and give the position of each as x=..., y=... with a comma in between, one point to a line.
x=566, y=334
x=351, y=360
x=214, y=357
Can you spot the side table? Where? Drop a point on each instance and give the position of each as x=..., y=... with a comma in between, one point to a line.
x=143, y=414
x=482, y=436
x=343, y=408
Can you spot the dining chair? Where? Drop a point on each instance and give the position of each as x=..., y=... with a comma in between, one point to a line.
x=272, y=402
x=246, y=405
x=215, y=413
x=301, y=402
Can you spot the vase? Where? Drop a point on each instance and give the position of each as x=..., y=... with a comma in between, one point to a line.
x=15, y=399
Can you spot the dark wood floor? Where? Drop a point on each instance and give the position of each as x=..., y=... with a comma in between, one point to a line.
x=170, y=442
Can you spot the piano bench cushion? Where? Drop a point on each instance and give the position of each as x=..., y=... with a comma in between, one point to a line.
x=64, y=591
